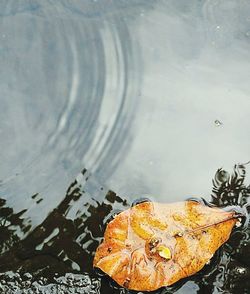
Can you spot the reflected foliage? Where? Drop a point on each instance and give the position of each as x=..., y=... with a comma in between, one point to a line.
x=10, y=224
x=230, y=189
x=67, y=239
x=61, y=244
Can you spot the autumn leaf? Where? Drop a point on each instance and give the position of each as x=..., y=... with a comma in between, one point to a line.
x=152, y=245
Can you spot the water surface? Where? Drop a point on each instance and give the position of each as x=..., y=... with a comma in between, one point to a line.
x=150, y=97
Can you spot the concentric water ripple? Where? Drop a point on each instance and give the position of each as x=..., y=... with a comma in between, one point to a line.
x=77, y=90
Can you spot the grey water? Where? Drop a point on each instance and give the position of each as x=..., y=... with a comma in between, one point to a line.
x=144, y=98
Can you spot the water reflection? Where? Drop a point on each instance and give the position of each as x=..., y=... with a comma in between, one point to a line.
x=10, y=224
x=150, y=96
x=67, y=239
x=74, y=96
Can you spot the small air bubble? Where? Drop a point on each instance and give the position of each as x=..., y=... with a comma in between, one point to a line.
x=179, y=234
x=218, y=123
x=238, y=224
x=241, y=270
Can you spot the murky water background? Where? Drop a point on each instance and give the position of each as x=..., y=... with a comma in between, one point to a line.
x=151, y=97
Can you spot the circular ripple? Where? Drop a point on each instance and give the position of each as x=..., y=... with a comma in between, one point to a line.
x=73, y=83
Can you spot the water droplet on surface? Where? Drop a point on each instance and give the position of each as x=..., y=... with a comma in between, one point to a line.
x=218, y=123
x=27, y=276
x=241, y=270
x=238, y=224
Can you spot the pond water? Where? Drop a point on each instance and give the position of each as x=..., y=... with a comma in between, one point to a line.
x=144, y=98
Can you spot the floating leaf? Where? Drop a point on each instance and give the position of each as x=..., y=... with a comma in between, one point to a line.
x=152, y=245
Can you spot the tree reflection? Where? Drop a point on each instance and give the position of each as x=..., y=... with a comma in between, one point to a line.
x=10, y=224
x=67, y=239
x=60, y=244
